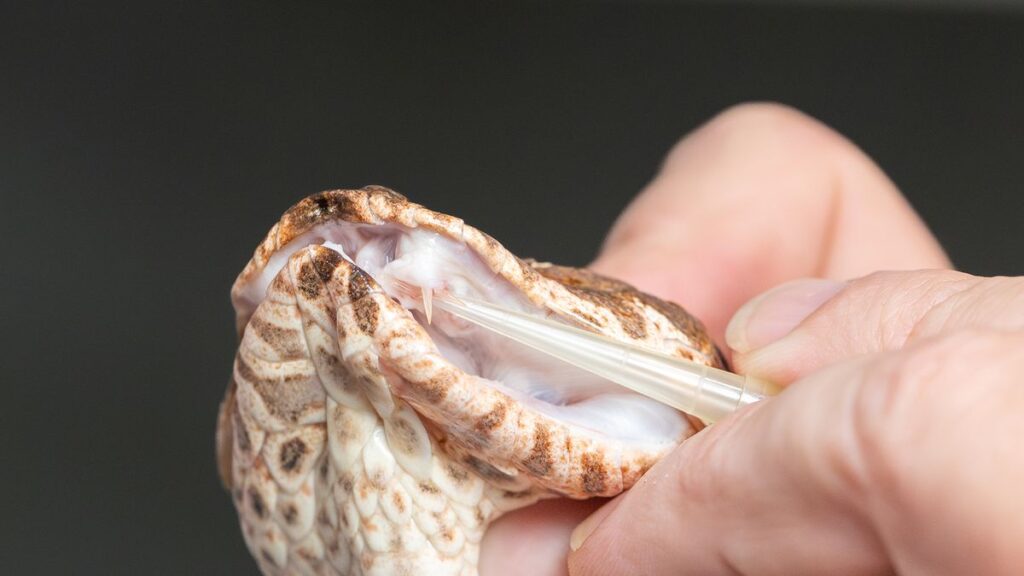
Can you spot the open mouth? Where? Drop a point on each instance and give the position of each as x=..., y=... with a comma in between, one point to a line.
x=395, y=255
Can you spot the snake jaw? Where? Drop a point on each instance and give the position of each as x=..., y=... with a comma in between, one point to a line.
x=369, y=433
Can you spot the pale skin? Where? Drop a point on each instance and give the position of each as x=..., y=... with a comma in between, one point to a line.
x=895, y=446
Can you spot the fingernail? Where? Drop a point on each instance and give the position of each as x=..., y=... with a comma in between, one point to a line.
x=584, y=529
x=777, y=312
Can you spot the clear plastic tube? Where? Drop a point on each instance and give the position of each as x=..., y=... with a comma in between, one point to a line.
x=702, y=391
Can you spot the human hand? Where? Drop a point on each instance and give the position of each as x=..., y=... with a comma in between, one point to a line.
x=899, y=456
x=758, y=196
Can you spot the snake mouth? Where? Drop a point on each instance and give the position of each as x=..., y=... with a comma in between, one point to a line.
x=395, y=255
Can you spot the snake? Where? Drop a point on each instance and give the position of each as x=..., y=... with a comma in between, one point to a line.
x=364, y=432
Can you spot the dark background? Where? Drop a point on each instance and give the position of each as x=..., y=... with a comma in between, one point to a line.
x=145, y=149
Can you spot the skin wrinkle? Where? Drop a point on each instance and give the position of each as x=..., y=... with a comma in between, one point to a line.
x=890, y=315
x=970, y=305
x=952, y=289
x=845, y=454
x=848, y=462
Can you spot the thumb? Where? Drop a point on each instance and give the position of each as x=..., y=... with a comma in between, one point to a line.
x=800, y=326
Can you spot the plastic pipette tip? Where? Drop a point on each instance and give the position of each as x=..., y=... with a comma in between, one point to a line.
x=702, y=391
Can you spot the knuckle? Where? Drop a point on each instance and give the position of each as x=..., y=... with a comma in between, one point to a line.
x=881, y=405
x=993, y=302
x=894, y=303
x=895, y=315
x=701, y=466
x=910, y=400
x=921, y=370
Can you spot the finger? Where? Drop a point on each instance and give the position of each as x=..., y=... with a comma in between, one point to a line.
x=533, y=540
x=857, y=469
x=760, y=195
x=804, y=325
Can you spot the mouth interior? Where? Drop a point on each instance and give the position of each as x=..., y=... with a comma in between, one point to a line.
x=424, y=259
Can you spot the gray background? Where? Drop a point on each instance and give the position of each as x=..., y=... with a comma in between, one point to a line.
x=146, y=148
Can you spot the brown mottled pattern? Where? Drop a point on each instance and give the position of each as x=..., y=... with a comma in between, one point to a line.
x=630, y=305
x=353, y=446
